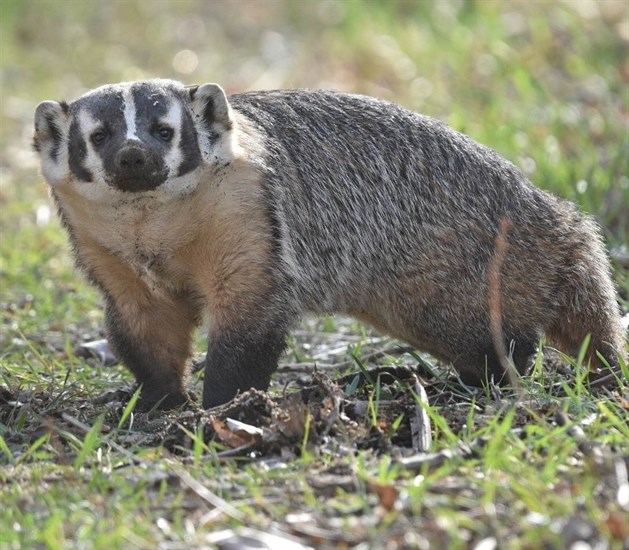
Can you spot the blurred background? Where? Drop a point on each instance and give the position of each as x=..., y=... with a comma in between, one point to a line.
x=544, y=83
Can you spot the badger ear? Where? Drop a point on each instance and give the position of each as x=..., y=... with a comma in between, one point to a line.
x=51, y=119
x=209, y=104
x=52, y=125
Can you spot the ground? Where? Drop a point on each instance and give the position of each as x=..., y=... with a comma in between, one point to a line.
x=345, y=450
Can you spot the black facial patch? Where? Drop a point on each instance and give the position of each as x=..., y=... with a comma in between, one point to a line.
x=189, y=145
x=77, y=152
x=104, y=105
x=151, y=105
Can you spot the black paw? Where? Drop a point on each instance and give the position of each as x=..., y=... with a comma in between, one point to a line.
x=165, y=402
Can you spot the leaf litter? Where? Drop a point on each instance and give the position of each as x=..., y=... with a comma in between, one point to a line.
x=381, y=411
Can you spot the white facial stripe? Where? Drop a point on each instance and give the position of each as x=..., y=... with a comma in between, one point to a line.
x=87, y=124
x=177, y=185
x=95, y=189
x=174, y=157
x=129, y=114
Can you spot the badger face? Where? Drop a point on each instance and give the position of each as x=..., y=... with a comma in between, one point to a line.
x=133, y=138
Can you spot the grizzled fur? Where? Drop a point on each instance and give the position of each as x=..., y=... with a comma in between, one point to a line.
x=262, y=207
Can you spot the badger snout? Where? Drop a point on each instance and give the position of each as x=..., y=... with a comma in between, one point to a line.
x=137, y=169
x=132, y=160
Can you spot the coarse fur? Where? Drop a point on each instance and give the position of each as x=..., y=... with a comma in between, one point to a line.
x=258, y=208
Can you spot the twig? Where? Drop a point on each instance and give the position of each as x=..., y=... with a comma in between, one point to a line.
x=420, y=423
x=495, y=304
x=308, y=366
x=237, y=451
x=224, y=506
x=401, y=372
x=462, y=450
x=341, y=350
x=615, y=375
x=85, y=429
x=431, y=461
x=207, y=495
x=371, y=356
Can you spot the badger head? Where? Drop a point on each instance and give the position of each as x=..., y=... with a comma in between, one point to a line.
x=121, y=140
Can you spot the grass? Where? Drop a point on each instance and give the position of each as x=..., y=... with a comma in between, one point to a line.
x=542, y=83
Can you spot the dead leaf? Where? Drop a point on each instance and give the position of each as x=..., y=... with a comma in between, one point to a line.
x=387, y=494
x=98, y=349
x=241, y=428
x=290, y=419
x=231, y=438
x=618, y=525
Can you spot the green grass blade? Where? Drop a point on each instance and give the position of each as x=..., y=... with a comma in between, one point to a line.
x=130, y=407
x=6, y=451
x=91, y=441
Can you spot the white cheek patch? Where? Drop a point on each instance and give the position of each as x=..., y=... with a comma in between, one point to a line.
x=130, y=114
x=216, y=151
x=180, y=186
x=227, y=147
x=57, y=170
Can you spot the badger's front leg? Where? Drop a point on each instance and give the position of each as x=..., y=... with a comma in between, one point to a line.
x=246, y=340
x=149, y=329
x=240, y=358
x=152, y=335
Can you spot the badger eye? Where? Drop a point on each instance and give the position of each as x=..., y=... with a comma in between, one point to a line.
x=98, y=137
x=165, y=133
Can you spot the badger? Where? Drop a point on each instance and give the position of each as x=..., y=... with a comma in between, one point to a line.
x=256, y=209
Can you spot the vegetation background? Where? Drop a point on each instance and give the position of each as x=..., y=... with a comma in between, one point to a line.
x=544, y=83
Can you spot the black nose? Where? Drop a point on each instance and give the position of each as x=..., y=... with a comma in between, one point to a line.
x=132, y=160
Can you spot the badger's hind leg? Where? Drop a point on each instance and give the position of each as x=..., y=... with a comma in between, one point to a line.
x=588, y=304
x=590, y=308
x=482, y=364
x=464, y=339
